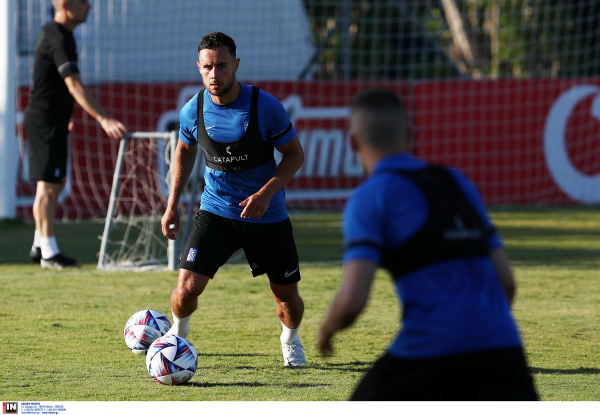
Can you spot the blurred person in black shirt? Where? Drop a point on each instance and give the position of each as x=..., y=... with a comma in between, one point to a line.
x=56, y=84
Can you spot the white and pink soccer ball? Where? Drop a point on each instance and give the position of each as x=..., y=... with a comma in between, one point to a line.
x=172, y=360
x=143, y=328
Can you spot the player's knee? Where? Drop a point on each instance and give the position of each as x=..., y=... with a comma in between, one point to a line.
x=190, y=285
x=48, y=191
x=184, y=294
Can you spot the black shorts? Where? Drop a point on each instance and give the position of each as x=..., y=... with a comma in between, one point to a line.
x=491, y=375
x=48, y=148
x=269, y=247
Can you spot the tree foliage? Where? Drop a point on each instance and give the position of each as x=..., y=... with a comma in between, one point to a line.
x=412, y=39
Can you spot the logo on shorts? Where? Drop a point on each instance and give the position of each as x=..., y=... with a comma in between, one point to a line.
x=57, y=172
x=192, y=255
x=287, y=274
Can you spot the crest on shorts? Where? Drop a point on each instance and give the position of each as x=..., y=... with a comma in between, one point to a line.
x=191, y=257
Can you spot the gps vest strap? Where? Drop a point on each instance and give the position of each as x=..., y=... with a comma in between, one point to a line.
x=453, y=228
x=248, y=152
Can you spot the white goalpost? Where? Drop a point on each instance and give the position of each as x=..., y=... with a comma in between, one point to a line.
x=132, y=237
x=8, y=139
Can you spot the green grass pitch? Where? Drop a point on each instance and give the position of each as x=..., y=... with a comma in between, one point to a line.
x=62, y=336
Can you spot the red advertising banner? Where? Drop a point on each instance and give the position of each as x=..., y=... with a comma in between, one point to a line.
x=520, y=141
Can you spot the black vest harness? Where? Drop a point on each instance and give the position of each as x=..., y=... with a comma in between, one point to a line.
x=453, y=228
x=248, y=152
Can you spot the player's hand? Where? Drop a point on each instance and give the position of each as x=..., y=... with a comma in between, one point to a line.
x=113, y=127
x=255, y=205
x=324, y=342
x=170, y=224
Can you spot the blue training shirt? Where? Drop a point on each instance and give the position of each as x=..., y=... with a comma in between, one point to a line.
x=450, y=307
x=224, y=191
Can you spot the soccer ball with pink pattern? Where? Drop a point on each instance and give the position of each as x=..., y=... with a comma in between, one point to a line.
x=143, y=328
x=172, y=360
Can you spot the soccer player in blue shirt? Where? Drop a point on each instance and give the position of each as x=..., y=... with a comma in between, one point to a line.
x=243, y=204
x=428, y=227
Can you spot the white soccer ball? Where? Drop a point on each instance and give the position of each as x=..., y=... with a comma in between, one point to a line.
x=143, y=328
x=172, y=360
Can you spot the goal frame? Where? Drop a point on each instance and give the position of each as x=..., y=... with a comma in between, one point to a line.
x=172, y=247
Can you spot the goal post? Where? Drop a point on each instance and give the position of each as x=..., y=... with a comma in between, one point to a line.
x=8, y=139
x=132, y=238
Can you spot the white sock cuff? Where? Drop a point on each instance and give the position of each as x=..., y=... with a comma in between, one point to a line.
x=181, y=326
x=181, y=321
x=36, y=239
x=288, y=335
x=49, y=247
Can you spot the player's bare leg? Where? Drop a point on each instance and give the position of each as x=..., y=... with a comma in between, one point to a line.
x=44, y=213
x=290, y=309
x=184, y=300
x=44, y=206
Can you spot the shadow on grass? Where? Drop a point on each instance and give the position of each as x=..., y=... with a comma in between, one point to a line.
x=252, y=384
x=344, y=367
x=225, y=384
x=580, y=371
x=306, y=385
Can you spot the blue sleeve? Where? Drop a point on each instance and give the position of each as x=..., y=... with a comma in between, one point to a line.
x=383, y=213
x=474, y=197
x=274, y=121
x=188, y=122
x=362, y=236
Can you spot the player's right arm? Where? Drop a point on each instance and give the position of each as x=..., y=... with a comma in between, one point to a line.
x=113, y=127
x=183, y=164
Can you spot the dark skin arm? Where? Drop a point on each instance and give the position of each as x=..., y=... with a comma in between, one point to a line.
x=293, y=158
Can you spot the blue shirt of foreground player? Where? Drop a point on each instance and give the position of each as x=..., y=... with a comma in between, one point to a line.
x=450, y=307
x=224, y=191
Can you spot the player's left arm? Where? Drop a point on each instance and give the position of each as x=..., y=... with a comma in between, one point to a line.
x=293, y=158
x=349, y=301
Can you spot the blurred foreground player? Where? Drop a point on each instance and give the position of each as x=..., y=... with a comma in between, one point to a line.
x=47, y=122
x=243, y=204
x=428, y=227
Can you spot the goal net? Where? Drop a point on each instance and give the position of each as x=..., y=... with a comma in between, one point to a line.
x=132, y=237
x=506, y=90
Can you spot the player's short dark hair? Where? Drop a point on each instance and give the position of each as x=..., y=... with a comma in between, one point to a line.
x=385, y=121
x=216, y=40
x=377, y=99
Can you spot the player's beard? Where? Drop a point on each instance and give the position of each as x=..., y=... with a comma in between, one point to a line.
x=225, y=89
